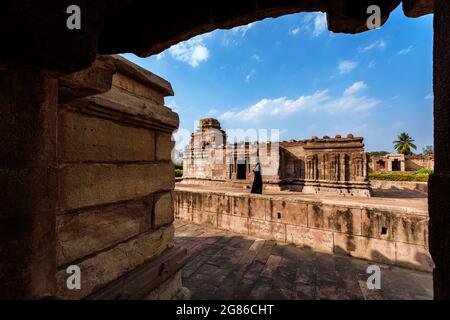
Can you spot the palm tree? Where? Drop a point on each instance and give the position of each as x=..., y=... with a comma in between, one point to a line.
x=404, y=143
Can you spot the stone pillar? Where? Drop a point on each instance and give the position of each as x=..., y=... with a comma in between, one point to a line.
x=439, y=184
x=28, y=105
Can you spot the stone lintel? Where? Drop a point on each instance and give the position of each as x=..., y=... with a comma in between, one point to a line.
x=91, y=81
x=417, y=8
x=142, y=75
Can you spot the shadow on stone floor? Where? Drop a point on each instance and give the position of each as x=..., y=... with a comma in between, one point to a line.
x=396, y=193
x=225, y=265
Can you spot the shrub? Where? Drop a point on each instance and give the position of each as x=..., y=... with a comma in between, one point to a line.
x=399, y=176
x=178, y=173
x=424, y=171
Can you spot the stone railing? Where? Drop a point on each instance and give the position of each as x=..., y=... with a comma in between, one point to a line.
x=390, y=235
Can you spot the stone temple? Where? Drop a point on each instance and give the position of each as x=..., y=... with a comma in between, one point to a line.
x=329, y=165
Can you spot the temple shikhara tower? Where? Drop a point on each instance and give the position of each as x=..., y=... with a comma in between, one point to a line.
x=332, y=165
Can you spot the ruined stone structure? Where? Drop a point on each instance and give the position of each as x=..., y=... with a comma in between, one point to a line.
x=336, y=165
x=40, y=50
x=400, y=162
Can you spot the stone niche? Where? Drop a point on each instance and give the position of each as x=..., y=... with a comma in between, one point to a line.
x=116, y=184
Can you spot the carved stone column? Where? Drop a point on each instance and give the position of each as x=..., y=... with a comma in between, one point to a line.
x=439, y=184
x=28, y=116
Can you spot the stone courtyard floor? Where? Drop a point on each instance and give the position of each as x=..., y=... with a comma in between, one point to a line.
x=226, y=265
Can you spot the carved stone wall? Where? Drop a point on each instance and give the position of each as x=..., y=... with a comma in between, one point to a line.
x=115, y=184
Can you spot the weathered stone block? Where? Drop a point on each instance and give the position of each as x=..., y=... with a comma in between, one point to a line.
x=164, y=146
x=168, y=289
x=233, y=223
x=137, y=88
x=366, y=248
x=185, y=214
x=163, y=212
x=414, y=256
x=291, y=212
x=321, y=216
x=398, y=226
x=89, y=232
x=88, y=138
x=378, y=224
x=94, y=80
x=412, y=228
x=257, y=208
x=267, y=230
x=348, y=220
x=240, y=205
x=208, y=219
x=100, y=269
x=84, y=185
x=315, y=239
x=220, y=204
x=123, y=106
x=334, y=218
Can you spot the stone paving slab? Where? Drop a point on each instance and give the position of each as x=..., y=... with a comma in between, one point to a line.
x=225, y=265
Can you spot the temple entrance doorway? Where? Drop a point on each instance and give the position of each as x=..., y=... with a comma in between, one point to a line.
x=395, y=165
x=241, y=170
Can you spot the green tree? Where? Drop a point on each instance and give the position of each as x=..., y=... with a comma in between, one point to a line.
x=428, y=150
x=377, y=153
x=404, y=143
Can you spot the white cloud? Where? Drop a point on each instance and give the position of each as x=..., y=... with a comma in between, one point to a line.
x=346, y=66
x=405, y=51
x=314, y=23
x=429, y=96
x=320, y=24
x=192, y=51
x=372, y=64
x=160, y=55
x=377, y=44
x=354, y=88
x=242, y=30
x=232, y=36
x=249, y=75
x=294, y=31
x=256, y=57
x=320, y=101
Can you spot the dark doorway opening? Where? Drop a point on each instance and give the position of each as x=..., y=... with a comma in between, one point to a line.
x=241, y=171
x=395, y=165
x=381, y=165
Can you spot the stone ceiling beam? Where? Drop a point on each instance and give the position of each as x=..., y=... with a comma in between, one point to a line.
x=34, y=32
x=141, y=31
x=417, y=8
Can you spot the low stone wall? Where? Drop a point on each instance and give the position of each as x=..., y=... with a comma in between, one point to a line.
x=400, y=185
x=383, y=234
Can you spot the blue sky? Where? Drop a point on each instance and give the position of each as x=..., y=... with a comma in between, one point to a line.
x=292, y=74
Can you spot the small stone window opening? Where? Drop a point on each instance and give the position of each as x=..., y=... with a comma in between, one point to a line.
x=383, y=231
x=279, y=215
